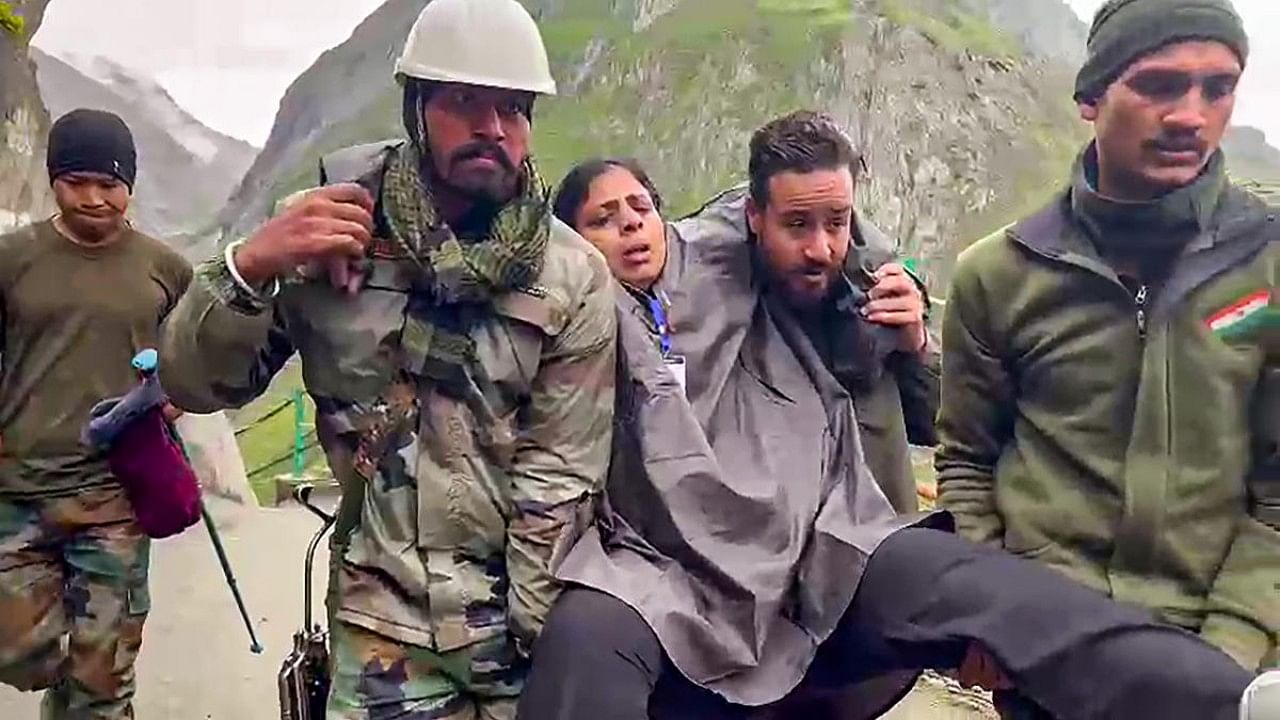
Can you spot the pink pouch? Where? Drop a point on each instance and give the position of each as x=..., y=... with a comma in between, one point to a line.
x=160, y=483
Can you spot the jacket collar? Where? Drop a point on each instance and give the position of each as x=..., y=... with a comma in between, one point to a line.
x=1181, y=219
x=1057, y=230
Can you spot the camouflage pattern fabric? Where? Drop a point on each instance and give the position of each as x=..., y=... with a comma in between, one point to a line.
x=463, y=483
x=73, y=599
x=457, y=280
x=468, y=271
x=376, y=678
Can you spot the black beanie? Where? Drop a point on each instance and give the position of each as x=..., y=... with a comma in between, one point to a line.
x=92, y=141
x=1125, y=30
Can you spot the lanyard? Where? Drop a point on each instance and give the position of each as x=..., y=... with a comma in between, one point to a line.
x=659, y=312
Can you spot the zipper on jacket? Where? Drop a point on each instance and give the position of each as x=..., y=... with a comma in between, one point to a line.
x=1140, y=302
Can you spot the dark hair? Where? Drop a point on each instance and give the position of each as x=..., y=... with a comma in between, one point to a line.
x=803, y=141
x=576, y=185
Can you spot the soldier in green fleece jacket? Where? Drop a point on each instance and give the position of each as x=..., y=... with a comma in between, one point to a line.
x=1111, y=371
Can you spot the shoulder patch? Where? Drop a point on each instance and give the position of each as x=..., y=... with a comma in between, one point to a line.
x=1243, y=315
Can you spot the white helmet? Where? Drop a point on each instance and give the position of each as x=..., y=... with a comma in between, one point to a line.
x=493, y=43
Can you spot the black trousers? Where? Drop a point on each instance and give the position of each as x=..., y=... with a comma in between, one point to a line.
x=925, y=598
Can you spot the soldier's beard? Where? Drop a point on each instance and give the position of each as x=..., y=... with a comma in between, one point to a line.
x=482, y=173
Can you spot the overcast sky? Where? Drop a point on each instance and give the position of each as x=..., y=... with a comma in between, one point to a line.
x=228, y=62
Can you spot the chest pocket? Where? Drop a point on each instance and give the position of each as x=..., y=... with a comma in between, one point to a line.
x=348, y=343
x=485, y=411
x=510, y=347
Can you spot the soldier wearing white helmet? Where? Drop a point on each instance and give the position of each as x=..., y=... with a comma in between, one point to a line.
x=467, y=104
x=460, y=353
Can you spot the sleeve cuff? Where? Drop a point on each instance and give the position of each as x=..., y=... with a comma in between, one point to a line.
x=216, y=275
x=983, y=527
x=1242, y=640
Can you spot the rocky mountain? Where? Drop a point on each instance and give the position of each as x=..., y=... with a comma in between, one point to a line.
x=346, y=85
x=24, y=192
x=186, y=171
x=1249, y=155
x=1251, y=159
x=962, y=107
x=1048, y=28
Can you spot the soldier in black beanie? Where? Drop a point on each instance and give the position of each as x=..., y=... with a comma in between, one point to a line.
x=1125, y=30
x=92, y=165
x=80, y=294
x=1158, y=84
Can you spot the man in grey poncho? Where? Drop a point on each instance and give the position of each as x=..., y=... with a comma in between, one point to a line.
x=745, y=550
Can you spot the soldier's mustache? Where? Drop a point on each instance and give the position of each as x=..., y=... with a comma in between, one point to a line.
x=483, y=149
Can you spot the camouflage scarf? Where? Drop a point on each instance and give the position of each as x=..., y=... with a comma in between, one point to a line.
x=458, y=279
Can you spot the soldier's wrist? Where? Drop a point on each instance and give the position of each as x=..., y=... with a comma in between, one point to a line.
x=219, y=279
x=250, y=272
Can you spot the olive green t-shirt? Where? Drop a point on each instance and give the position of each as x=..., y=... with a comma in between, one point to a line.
x=72, y=319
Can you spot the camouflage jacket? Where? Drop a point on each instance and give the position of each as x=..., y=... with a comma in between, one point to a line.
x=467, y=501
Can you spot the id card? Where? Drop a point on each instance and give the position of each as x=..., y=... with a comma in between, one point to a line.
x=676, y=366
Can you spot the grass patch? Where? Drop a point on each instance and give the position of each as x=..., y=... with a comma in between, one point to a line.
x=952, y=29
x=816, y=12
x=732, y=63
x=11, y=22
x=568, y=34
x=265, y=434
x=926, y=477
x=783, y=34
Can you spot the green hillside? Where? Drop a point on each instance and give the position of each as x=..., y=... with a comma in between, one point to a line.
x=962, y=126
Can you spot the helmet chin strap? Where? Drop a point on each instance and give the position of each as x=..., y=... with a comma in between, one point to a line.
x=414, y=107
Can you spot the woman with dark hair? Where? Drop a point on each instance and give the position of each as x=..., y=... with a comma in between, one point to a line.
x=613, y=204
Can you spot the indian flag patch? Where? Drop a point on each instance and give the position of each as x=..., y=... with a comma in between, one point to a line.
x=1243, y=315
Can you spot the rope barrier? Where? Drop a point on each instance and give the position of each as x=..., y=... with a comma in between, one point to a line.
x=287, y=404
x=285, y=457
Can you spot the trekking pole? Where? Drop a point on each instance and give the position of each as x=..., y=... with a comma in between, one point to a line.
x=254, y=646
x=146, y=363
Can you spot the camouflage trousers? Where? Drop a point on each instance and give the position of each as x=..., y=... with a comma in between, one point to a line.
x=73, y=599
x=377, y=678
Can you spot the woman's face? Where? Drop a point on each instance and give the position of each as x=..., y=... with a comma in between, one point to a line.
x=619, y=218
